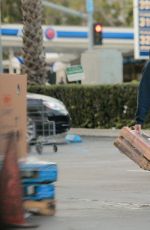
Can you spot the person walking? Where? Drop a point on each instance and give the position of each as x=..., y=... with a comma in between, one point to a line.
x=143, y=98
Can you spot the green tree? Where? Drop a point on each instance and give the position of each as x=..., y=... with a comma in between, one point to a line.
x=11, y=11
x=35, y=66
x=109, y=12
x=114, y=12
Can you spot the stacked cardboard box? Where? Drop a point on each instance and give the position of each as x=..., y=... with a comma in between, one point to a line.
x=13, y=114
x=38, y=186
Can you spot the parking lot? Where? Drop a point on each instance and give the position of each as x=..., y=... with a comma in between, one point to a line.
x=97, y=188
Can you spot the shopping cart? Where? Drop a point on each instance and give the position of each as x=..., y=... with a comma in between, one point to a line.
x=40, y=131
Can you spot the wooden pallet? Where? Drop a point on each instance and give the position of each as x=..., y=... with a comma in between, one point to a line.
x=135, y=146
x=42, y=207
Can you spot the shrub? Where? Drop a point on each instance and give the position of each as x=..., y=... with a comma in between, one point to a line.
x=96, y=106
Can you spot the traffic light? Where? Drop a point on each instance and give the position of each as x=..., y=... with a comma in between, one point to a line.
x=97, y=34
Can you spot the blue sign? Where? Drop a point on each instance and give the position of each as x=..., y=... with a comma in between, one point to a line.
x=89, y=6
x=142, y=28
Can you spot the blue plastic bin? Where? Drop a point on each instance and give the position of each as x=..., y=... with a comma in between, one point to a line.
x=38, y=172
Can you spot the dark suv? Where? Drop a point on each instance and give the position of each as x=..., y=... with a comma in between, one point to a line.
x=46, y=115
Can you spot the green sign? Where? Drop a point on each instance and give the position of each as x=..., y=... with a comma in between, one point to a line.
x=75, y=73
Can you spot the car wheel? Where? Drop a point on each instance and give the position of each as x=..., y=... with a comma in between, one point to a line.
x=31, y=130
x=39, y=148
x=55, y=148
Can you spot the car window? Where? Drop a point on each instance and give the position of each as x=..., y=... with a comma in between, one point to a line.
x=34, y=102
x=34, y=107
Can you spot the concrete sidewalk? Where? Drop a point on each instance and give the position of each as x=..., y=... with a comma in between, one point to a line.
x=98, y=188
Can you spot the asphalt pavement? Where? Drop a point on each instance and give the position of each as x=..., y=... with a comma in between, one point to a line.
x=98, y=187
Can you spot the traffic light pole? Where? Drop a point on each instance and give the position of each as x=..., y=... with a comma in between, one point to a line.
x=90, y=10
x=90, y=30
x=64, y=9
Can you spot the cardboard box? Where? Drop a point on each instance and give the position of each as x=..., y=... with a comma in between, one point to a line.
x=13, y=110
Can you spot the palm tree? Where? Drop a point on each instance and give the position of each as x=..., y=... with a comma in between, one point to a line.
x=34, y=61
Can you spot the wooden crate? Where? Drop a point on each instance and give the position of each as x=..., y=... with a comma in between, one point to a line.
x=135, y=146
x=42, y=207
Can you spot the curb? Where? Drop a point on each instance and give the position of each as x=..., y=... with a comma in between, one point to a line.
x=95, y=132
x=100, y=132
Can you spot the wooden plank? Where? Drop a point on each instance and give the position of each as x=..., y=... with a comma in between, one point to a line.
x=43, y=207
x=136, y=140
x=46, y=212
x=125, y=147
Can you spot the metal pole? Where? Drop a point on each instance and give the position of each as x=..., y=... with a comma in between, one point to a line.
x=64, y=9
x=90, y=30
x=90, y=11
x=1, y=50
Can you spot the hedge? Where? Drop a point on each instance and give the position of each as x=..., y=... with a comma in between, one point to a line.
x=96, y=106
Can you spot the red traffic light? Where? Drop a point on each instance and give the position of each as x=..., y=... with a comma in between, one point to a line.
x=98, y=28
x=97, y=33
